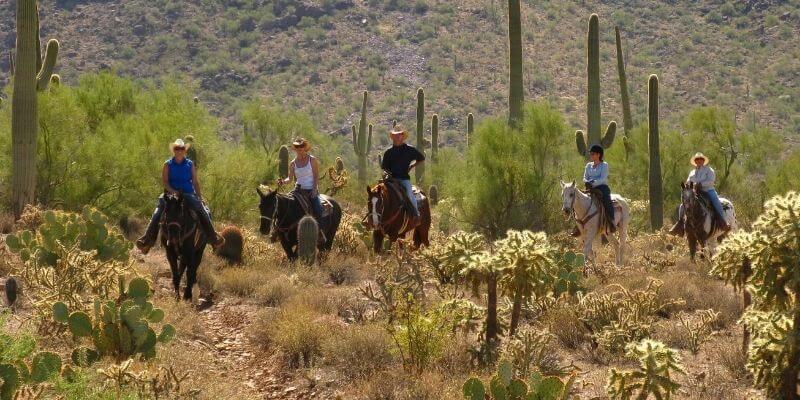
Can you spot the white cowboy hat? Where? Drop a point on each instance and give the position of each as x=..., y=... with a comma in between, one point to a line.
x=178, y=143
x=699, y=155
x=397, y=131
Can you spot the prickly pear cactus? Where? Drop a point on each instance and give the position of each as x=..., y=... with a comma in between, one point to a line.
x=120, y=329
x=568, y=277
x=90, y=230
x=21, y=365
x=504, y=386
x=307, y=236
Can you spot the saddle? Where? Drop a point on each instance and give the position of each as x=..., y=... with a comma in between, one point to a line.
x=705, y=202
x=597, y=198
x=304, y=198
x=395, y=187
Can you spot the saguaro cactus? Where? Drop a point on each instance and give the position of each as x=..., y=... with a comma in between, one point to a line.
x=31, y=73
x=434, y=137
x=283, y=162
x=516, y=95
x=362, y=142
x=586, y=141
x=419, y=172
x=654, y=178
x=433, y=194
x=307, y=236
x=627, y=119
x=470, y=127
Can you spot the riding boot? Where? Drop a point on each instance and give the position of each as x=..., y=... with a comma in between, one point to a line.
x=677, y=229
x=214, y=239
x=722, y=224
x=575, y=232
x=146, y=242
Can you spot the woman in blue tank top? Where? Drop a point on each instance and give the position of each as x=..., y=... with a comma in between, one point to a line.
x=180, y=175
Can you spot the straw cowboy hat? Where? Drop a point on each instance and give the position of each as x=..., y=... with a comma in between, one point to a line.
x=699, y=155
x=301, y=143
x=398, y=131
x=178, y=143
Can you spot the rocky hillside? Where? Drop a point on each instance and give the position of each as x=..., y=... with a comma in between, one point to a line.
x=318, y=55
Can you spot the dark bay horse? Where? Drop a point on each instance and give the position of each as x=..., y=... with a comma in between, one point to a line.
x=281, y=213
x=184, y=241
x=700, y=224
x=387, y=216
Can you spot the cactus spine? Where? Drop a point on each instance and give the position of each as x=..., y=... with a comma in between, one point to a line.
x=307, y=235
x=470, y=127
x=362, y=141
x=656, y=198
x=586, y=141
x=434, y=137
x=419, y=172
x=31, y=73
x=283, y=162
x=516, y=95
x=627, y=120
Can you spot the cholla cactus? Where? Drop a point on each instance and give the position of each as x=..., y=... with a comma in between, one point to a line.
x=504, y=386
x=449, y=259
x=657, y=366
x=118, y=328
x=766, y=262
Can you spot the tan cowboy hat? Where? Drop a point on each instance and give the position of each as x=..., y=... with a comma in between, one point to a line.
x=699, y=155
x=179, y=143
x=300, y=143
x=397, y=131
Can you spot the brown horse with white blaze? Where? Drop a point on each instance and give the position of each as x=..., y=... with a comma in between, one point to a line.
x=388, y=216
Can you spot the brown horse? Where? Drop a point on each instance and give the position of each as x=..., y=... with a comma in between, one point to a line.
x=387, y=216
x=701, y=227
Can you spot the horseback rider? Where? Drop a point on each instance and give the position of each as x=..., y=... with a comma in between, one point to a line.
x=398, y=161
x=595, y=176
x=304, y=170
x=702, y=174
x=180, y=174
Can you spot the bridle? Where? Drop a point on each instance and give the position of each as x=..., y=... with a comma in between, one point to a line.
x=376, y=215
x=274, y=223
x=182, y=236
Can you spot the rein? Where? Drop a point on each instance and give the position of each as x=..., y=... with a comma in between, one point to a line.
x=182, y=235
x=277, y=224
x=384, y=223
x=583, y=221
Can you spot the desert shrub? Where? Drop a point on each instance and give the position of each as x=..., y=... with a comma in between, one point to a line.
x=621, y=316
x=6, y=223
x=419, y=335
x=342, y=270
x=565, y=323
x=241, y=281
x=275, y=292
x=701, y=293
x=657, y=366
x=531, y=350
x=300, y=333
x=360, y=351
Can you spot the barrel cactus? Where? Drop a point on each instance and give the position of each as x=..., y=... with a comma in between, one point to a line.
x=119, y=329
x=339, y=165
x=362, y=141
x=419, y=172
x=654, y=176
x=283, y=162
x=32, y=73
x=592, y=137
x=307, y=237
x=433, y=194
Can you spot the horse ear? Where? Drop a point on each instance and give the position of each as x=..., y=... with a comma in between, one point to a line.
x=683, y=185
x=260, y=193
x=369, y=190
x=561, y=182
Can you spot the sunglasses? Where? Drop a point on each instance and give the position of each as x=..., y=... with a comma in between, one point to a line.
x=180, y=148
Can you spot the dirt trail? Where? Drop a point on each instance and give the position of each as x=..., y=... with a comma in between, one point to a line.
x=224, y=337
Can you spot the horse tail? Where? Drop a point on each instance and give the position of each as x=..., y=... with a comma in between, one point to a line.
x=333, y=226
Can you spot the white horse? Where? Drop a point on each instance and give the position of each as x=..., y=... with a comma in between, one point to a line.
x=698, y=221
x=587, y=213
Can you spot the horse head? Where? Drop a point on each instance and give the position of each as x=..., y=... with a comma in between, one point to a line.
x=266, y=207
x=375, y=204
x=173, y=217
x=689, y=192
x=568, y=194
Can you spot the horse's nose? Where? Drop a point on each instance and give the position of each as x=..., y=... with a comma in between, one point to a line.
x=565, y=210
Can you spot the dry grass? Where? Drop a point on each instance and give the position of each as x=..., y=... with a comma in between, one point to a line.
x=343, y=270
x=563, y=322
x=275, y=291
x=360, y=351
x=241, y=281
x=300, y=332
x=6, y=223
x=729, y=356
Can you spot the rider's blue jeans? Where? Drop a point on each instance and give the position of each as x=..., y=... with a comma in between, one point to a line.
x=190, y=199
x=406, y=184
x=714, y=197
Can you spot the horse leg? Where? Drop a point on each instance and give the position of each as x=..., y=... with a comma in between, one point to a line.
x=172, y=258
x=421, y=236
x=377, y=241
x=588, y=254
x=623, y=239
x=287, y=248
x=191, y=276
x=692, y=245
